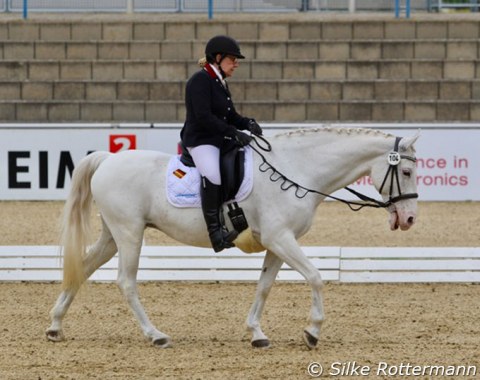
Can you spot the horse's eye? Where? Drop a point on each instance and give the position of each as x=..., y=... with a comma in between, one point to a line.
x=406, y=172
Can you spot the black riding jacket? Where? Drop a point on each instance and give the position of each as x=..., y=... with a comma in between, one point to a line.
x=211, y=115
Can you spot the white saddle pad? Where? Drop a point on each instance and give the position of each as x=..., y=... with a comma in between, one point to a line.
x=183, y=182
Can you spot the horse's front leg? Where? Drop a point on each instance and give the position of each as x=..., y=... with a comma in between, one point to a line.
x=287, y=249
x=271, y=266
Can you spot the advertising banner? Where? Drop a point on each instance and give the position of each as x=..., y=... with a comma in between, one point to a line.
x=37, y=160
x=448, y=164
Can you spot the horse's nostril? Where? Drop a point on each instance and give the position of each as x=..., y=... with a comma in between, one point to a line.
x=411, y=220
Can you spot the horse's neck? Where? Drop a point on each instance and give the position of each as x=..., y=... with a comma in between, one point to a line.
x=328, y=161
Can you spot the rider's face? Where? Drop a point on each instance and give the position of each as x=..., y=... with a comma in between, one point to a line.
x=228, y=64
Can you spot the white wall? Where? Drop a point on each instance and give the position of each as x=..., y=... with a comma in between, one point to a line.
x=36, y=159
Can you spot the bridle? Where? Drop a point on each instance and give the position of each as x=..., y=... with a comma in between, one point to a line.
x=394, y=158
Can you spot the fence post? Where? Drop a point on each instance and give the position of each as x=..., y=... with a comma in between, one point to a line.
x=397, y=8
x=25, y=9
x=305, y=5
x=129, y=6
x=474, y=8
x=210, y=9
x=351, y=6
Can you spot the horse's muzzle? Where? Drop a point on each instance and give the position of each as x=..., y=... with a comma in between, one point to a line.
x=401, y=218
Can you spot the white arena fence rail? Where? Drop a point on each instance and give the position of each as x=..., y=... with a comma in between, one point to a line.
x=184, y=263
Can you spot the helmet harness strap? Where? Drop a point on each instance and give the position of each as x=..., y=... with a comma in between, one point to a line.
x=219, y=63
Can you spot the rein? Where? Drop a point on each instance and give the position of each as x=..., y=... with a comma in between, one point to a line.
x=301, y=192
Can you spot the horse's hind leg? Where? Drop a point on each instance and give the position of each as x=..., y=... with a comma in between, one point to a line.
x=129, y=246
x=271, y=266
x=102, y=251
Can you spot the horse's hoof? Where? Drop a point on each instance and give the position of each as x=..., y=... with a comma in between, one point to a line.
x=310, y=340
x=261, y=343
x=54, y=335
x=162, y=342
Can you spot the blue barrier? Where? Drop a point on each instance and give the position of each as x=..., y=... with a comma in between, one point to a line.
x=210, y=9
x=398, y=9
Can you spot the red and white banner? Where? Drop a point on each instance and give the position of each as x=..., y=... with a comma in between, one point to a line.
x=36, y=161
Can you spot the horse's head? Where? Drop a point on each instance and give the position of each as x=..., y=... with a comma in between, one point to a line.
x=395, y=177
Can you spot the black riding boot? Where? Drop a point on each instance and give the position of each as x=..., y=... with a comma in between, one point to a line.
x=211, y=206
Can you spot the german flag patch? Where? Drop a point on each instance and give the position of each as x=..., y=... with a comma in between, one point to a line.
x=179, y=173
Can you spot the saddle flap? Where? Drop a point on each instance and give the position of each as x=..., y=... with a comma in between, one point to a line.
x=232, y=170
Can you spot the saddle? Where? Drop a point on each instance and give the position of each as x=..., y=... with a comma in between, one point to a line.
x=232, y=167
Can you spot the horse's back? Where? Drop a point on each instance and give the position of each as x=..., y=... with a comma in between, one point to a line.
x=133, y=172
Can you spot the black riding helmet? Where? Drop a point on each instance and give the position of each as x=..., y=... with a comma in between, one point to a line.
x=223, y=45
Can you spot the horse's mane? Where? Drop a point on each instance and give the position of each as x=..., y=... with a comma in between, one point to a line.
x=340, y=131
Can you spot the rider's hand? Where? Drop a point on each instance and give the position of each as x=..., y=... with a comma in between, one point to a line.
x=242, y=138
x=254, y=127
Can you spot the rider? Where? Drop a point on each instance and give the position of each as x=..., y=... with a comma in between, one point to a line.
x=211, y=119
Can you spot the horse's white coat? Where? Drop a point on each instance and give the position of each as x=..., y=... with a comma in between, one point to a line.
x=129, y=190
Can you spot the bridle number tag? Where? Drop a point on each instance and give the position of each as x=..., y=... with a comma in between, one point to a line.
x=394, y=158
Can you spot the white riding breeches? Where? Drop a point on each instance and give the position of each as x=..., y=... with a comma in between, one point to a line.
x=207, y=161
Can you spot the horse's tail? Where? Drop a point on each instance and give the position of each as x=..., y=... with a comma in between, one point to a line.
x=76, y=232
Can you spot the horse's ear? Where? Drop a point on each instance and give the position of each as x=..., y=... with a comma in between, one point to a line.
x=407, y=142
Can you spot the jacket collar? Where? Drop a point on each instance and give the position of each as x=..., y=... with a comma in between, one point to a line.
x=214, y=75
x=211, y=71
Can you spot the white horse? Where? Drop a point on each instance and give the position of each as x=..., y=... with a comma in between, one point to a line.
x=129, y=191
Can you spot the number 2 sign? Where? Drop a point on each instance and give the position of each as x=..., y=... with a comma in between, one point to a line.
x=122, y=142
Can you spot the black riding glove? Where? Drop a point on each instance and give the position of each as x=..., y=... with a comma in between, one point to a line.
x=254, y=127
x=242, y=138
